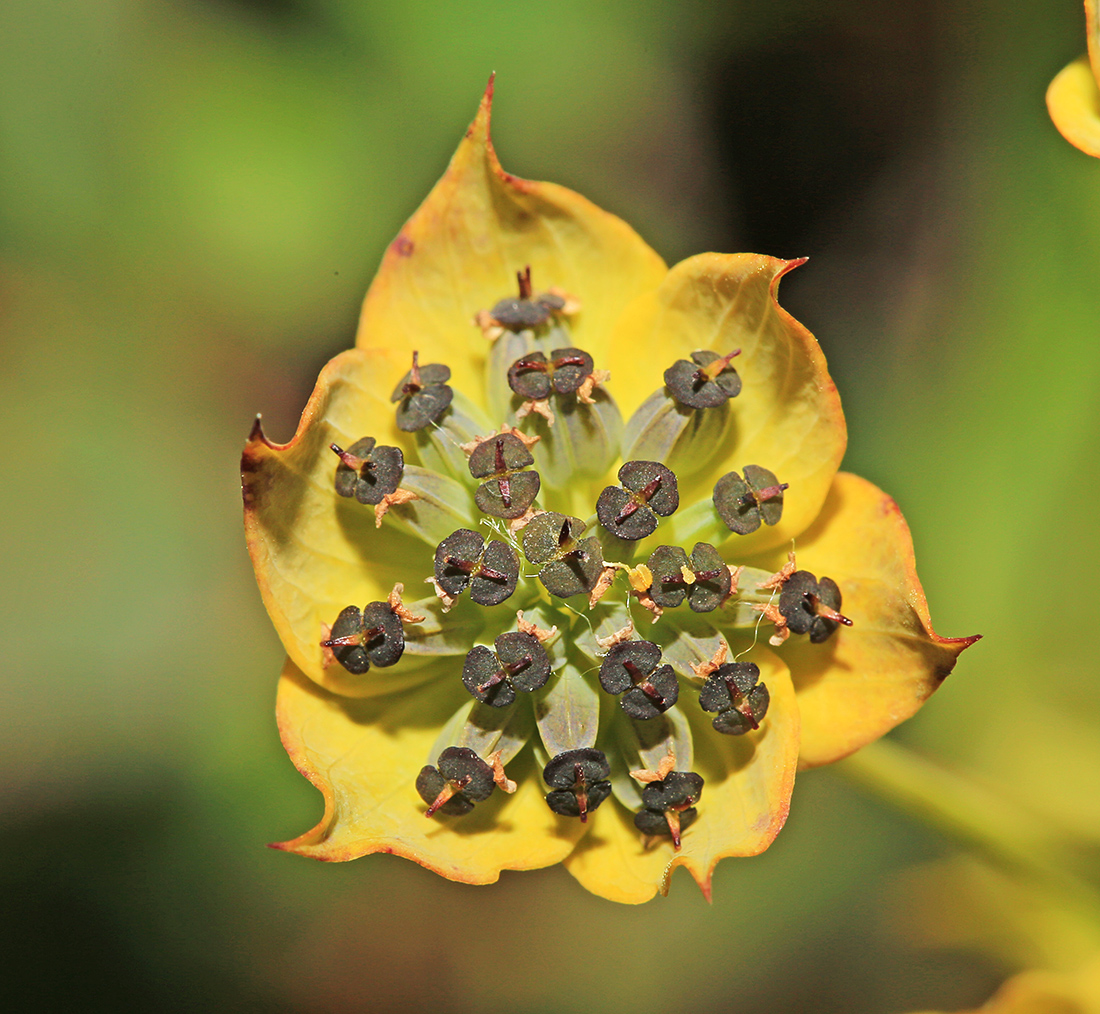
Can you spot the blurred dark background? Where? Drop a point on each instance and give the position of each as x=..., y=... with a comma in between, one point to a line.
x=194, y=195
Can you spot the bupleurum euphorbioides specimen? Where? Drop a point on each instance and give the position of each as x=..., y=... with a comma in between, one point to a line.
x=561, y=548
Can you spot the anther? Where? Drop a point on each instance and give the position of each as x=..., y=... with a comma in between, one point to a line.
x=578, y=781
x=422, y=394
x=811, y=607
x=568, y=564
x=634, y=669
x=373, y=635
x=368, y=472
x=670, y=805
x=510, y=488
x=706, y=381
x=463, y=560
x=460, y=779
x=517, y=661
x=745, y=504
x=630, y=511
x=734, y=691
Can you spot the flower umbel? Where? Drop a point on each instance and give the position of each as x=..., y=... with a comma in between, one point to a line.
x=531, y=537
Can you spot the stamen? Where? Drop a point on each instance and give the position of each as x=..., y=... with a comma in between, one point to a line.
x=519, y=662
x=540, y=634
x=578, y=781
x=509, y=488
x=630, y=511
x=757, y=496
x=640, y=578
x=672, y=817
x=445, y=794
x=630, y=508
x=711, y=370
x=524, y=279
x=745, y=504
x=821, y=609
x=519, y=665
x=705, y=381
x=413, y=384
x=351, y=460
x=503, y=782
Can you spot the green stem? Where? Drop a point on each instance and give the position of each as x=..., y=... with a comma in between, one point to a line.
x=1003, y=831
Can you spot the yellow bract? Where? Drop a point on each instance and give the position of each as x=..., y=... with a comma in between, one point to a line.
x=363, y=740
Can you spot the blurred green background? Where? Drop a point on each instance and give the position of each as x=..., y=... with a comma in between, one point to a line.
x=194, y=195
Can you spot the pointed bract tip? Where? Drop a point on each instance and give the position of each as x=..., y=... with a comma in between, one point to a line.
x=257, y=431
x=484, y=112
x=786, y=269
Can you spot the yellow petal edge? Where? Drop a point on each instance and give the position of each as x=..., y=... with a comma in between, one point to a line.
x=871, y=676
x=460, y=251
x=314, y=551
x=364, y=756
